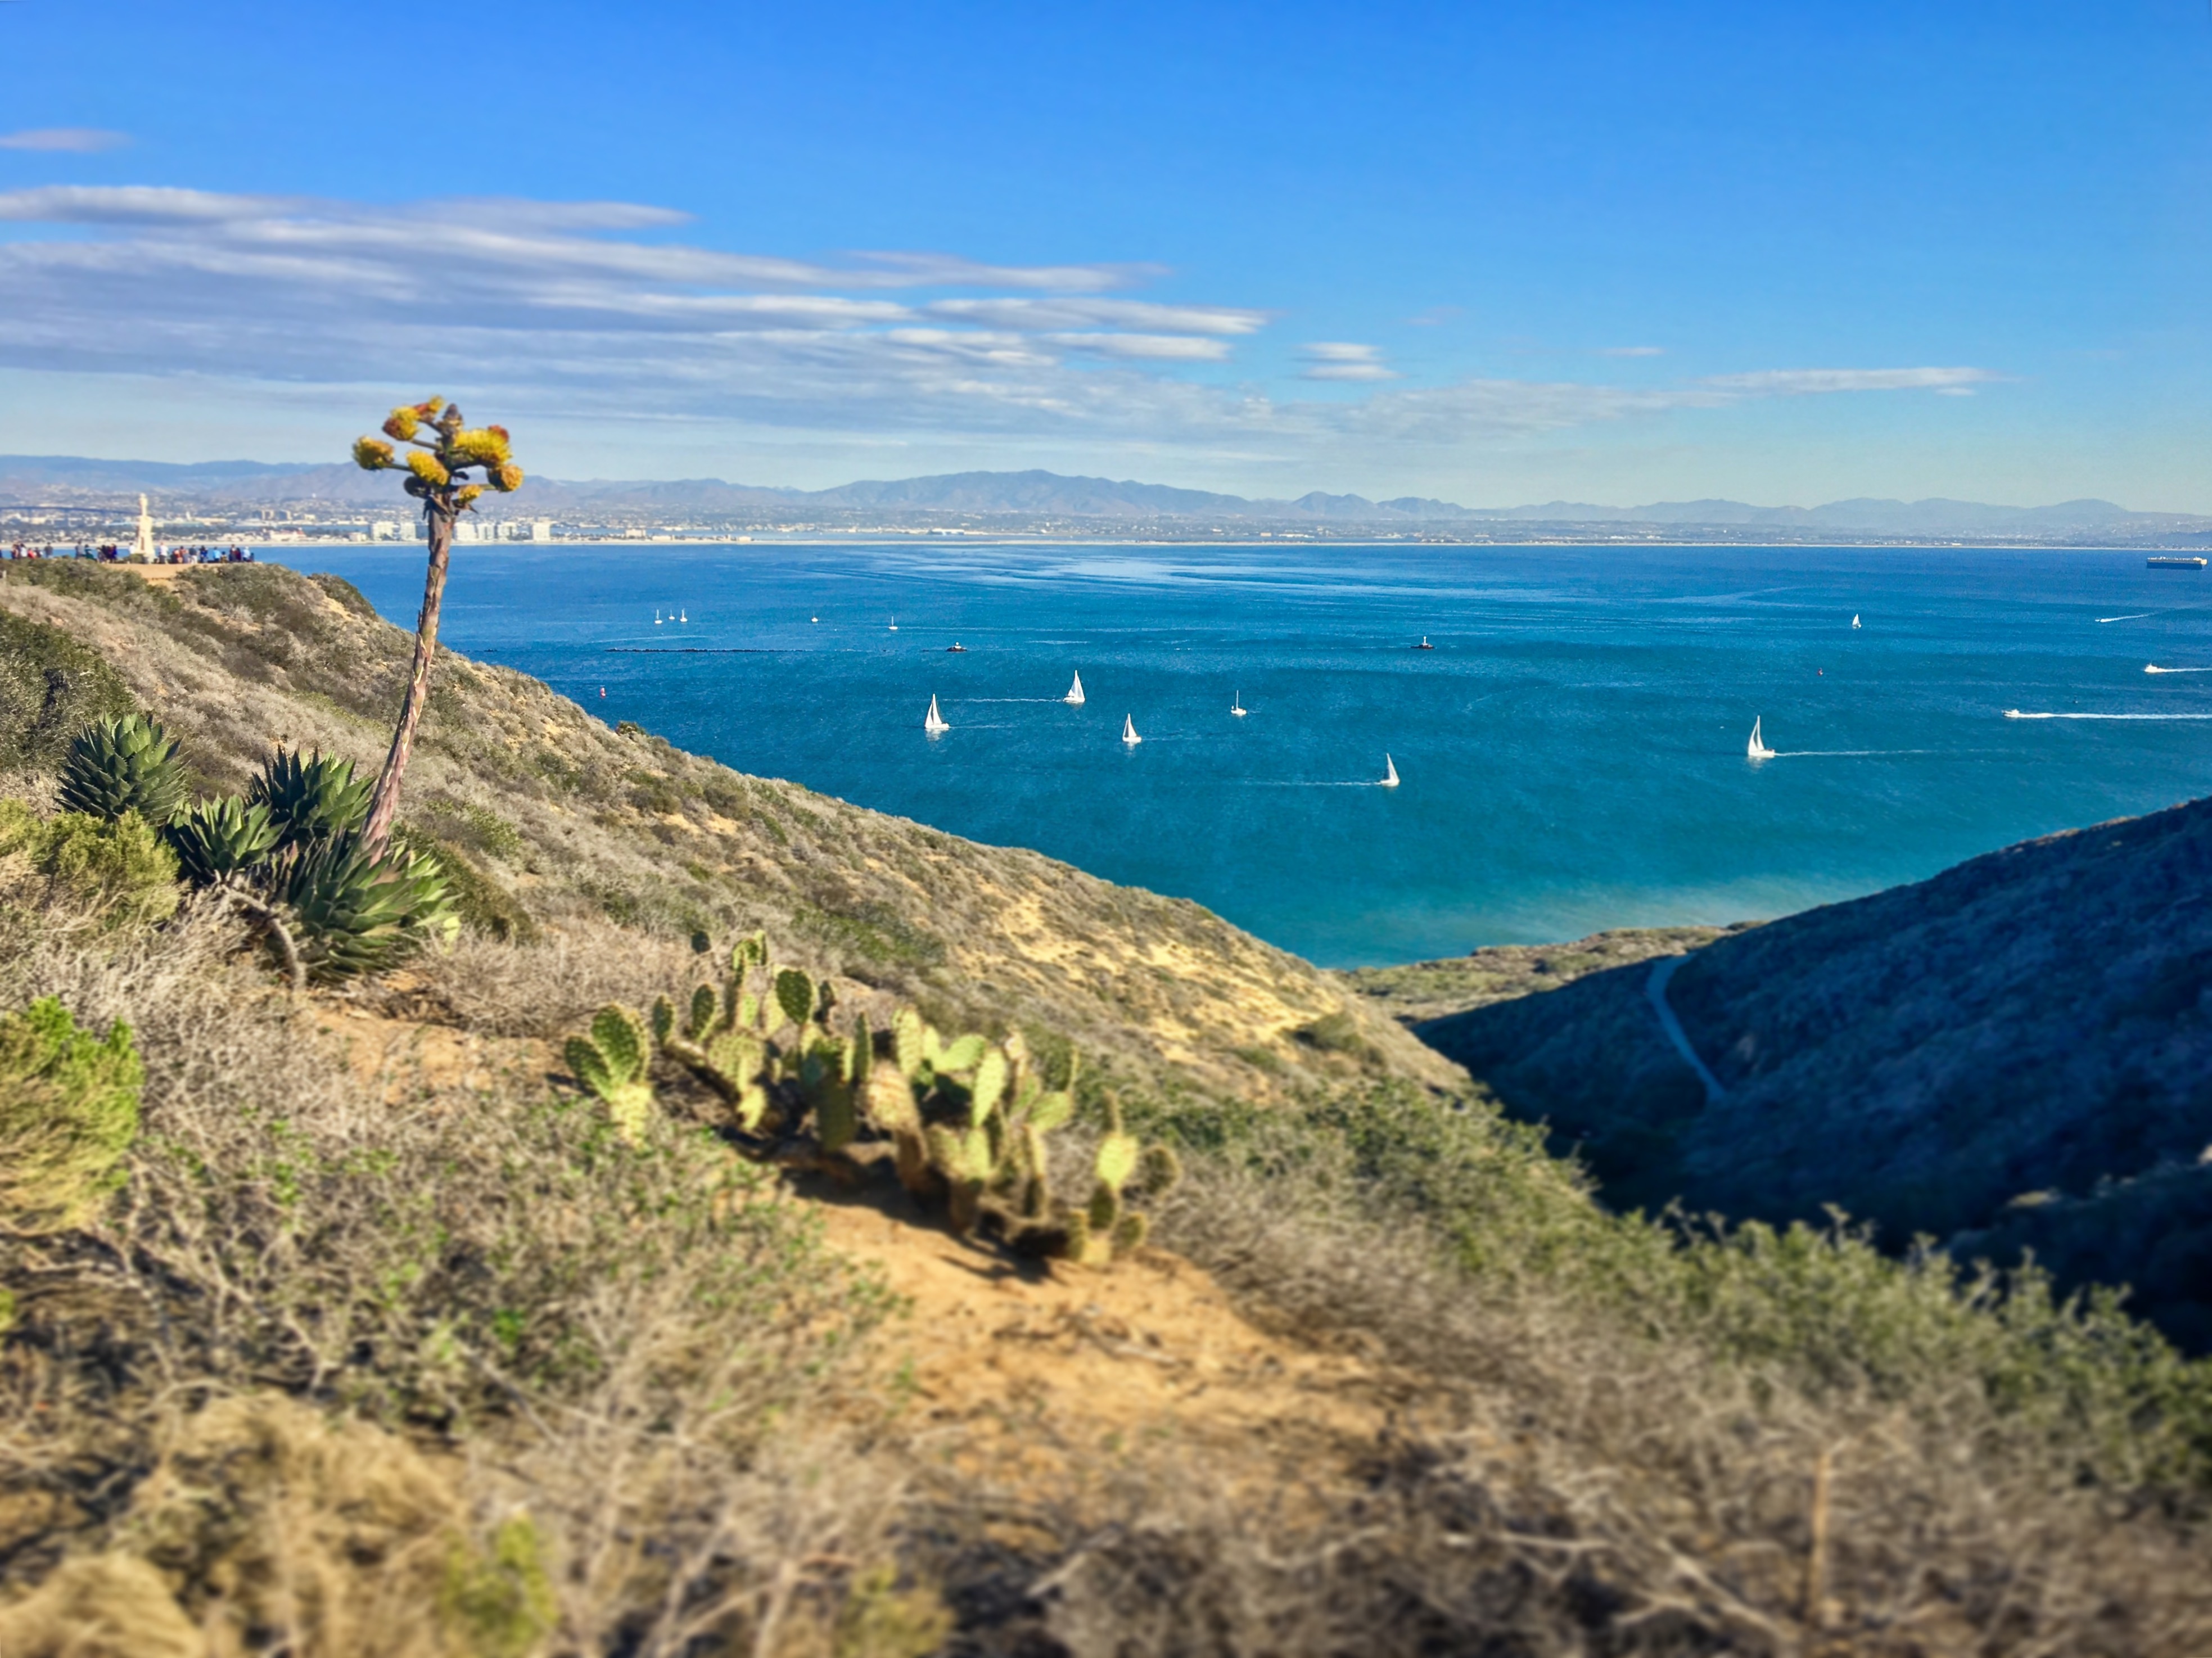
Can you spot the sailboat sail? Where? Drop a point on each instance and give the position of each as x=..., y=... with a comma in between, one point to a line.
x=1129, y=732
x=1074, y=698
x=934, y=722
x=1757, y=749
x=1389, y=773
x=1855, y=618
x=1237, y=704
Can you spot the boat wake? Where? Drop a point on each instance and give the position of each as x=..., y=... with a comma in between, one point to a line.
x=2138, y=616
x=2015, y=714
x=2153, y=667
x=1844, y=754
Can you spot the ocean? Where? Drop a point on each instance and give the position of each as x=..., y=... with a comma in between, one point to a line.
x=1571, y=749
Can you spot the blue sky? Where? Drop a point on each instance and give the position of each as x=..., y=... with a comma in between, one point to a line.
x=1494, y=254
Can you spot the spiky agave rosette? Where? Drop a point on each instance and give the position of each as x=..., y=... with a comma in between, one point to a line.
x=356, y=911
x=123, y=765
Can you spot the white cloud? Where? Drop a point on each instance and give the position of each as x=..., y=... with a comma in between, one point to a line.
x=1146, y=348
x=1803, y=382
x=1632, y=351
x=594, y=308
x=1075, y=312
x=1343, y=359
x=70, y=141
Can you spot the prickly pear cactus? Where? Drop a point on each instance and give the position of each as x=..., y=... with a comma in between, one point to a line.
x=1107, y=1226
x=965, y=1121
x=613, y=1061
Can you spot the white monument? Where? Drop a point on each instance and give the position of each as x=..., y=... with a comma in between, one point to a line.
x=143, y=547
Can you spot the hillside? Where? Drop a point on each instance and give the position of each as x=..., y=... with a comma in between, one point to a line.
x=373, y=1333
x=2014, y=1054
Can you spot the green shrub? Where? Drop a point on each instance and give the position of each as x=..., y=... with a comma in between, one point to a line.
x=69, y=1112
x=119, y=873
x=500, y=1596
x=51, y=687
x=1822, y=1311
x=126, y=764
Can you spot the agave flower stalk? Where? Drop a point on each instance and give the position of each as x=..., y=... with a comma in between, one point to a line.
x=441, y=452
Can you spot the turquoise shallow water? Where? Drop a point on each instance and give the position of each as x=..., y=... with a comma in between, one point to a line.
x=1573, y=748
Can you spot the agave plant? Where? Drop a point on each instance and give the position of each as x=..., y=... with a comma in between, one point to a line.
x=443, y=450
x=354, y=910
x=217, y=840
x=311, y=799
x=124, y=765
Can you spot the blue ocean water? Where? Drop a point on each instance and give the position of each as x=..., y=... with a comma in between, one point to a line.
x=1572, y=748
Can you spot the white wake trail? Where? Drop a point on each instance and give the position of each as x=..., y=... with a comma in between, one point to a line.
x=2153, y=667
x=2138, y=616
x=2015, y=714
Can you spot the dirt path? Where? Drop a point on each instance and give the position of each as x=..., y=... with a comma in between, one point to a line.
x=1045, y=1368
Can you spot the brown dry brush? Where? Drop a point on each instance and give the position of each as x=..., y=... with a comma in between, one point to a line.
x=611, y=1377
x=477, y=1359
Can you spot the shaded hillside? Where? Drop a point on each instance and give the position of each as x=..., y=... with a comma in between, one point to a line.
x=1422, y=991
x=557, y=817
x=2017, y=1053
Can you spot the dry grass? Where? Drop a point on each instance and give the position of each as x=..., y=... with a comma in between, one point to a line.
x=512, y=1314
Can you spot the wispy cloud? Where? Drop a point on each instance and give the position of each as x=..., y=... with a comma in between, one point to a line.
x=1804, y=382
x=562, y=306
x=1436, y=316
x=67, y=141
x=1632, y=351
x=1344, y=360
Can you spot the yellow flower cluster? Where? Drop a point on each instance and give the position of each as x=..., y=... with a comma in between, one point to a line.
x=402, y=424
x=486, y=447
x=463, y=497
x=371, y=456
x=428, y=469
x=506, y=479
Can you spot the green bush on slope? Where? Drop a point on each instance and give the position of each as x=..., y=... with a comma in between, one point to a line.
x=119, y=873
x=51, y=687
x=69, y=1112
x=1821, y=1312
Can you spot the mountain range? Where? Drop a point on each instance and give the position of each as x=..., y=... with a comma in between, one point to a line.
x=31, y=480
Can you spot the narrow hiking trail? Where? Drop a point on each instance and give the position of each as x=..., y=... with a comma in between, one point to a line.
x=1040, y=1368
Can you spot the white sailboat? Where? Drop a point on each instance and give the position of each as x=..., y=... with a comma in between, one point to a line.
x=1390, y=774
x=1855, y=618
x=680, y=616
x=1757, y=749
x=656, y=615
x=1129, y=732
x=1074, y=698
x=1237, y=704
x=934, y=722
x=894, y=624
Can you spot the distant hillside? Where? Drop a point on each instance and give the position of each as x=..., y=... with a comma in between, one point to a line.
x=1032, y=496
x=2015, y=1054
